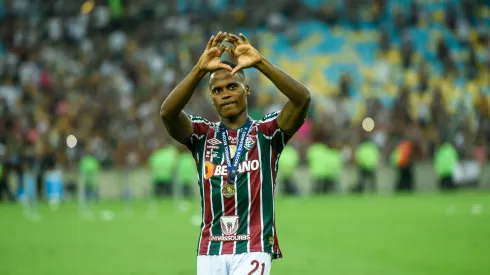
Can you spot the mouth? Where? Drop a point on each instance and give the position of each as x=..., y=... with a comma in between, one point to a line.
x=228, y=103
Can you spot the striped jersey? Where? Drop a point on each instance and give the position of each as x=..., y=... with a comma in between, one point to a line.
x=245, y=222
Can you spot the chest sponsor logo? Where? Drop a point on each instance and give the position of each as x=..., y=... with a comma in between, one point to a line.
x=222, y=170
x=229, y=227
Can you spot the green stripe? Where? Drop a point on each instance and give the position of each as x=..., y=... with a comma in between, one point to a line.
x=243, y=194
x=267, y=197
x=278, y=142
x=200, y=143
x=218, y=212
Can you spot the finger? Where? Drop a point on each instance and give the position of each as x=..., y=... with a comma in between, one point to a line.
x=236, y=69
x=245, y=40
x=210, y=42
x=222, y=37
x=232, y=41
x=219, y=38
x=216, y=41
x=223, y=48
x=237, y=39
x=225, y=66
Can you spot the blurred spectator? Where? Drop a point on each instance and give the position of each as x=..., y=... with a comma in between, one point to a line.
x=404, y=161
x=345, y=86
x=445, y=162
x=288, y=165
x=367, y=159
x=407, y=50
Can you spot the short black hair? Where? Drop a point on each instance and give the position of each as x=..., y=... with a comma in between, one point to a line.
x=233, y=65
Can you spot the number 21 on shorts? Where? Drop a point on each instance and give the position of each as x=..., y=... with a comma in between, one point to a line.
x=255, y=265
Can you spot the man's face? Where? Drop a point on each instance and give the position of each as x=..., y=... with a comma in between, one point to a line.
x=228, y=93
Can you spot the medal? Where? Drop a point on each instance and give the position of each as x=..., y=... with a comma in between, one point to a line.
x=235, y=152
x=228, y=191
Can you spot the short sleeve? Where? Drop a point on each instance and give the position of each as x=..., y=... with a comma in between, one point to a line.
x=200, y=128
x=269, y=127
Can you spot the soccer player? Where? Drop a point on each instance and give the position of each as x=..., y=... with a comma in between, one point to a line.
x=236, y=157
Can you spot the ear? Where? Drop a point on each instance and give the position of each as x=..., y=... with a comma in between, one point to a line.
x=247, y=89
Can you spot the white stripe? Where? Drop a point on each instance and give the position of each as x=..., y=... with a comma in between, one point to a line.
x=261, y=203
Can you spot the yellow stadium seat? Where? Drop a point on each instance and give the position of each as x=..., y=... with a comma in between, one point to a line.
x=438, y=16
x=411, y=78
x=394, y=57
x=309, y=42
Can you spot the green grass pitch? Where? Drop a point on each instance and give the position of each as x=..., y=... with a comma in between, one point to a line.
x=428, y=234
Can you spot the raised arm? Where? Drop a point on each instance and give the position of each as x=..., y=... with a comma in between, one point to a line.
x=175, y=120
x=293, y=114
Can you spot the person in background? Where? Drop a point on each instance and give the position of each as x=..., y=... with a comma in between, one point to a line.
x=402, y=158
x=445, y=162
x=333, y=166
x=89, y=173
x=45, y=160
x=323, y=163
x=4, y=187
x=367, y=159
x=162, y=164
x=186, y=172
x=288, y=164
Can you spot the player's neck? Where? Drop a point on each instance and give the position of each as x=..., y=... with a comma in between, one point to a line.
x=235, y=122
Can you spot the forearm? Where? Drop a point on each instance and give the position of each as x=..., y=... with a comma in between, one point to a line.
x=296, y=92
x=181, y=94
x=176, y=121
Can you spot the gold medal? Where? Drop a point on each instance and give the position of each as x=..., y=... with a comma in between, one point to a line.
x=228, y=190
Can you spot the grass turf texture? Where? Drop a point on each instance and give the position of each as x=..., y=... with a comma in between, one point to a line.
x=332, y=235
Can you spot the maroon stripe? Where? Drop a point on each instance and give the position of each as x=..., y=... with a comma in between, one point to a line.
x=255, y=213
x=208, y=219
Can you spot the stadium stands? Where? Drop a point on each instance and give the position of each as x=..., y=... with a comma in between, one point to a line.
x=101, y=72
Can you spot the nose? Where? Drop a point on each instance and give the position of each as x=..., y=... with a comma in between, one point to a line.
x=225, y=95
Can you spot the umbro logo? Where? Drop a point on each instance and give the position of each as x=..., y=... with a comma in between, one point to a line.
x=214, y=141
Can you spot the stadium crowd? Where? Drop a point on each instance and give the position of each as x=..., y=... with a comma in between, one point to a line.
x=99, y=71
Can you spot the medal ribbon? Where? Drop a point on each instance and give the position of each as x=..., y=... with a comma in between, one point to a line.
x=233, y=167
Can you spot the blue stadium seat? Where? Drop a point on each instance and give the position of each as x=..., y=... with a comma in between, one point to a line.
x=367, y=51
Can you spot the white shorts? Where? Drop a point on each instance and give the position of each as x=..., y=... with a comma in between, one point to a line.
x=253, y=263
